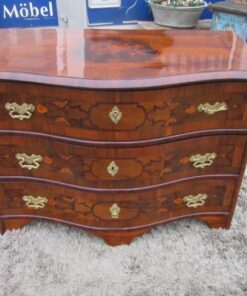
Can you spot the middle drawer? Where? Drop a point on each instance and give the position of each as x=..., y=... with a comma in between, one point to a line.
x=119, y=168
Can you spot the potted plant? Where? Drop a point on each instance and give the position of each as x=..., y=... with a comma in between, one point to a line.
x=177, y=13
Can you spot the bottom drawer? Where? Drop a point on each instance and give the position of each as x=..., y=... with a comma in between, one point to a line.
x=110, y=210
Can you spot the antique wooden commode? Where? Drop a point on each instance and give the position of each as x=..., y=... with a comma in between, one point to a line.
x=119, y=131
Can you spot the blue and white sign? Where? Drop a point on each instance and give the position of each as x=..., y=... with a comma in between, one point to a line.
x=130, y=11
x=28, y=13
x=103, y=3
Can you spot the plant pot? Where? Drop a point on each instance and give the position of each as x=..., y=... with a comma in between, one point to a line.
x=176, y=17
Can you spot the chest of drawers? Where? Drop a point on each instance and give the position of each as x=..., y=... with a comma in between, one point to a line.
x=118, y=131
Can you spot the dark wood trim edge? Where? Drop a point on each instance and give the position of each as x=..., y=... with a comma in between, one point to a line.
x=129, y=144
x=112, y=190
x=109, y=84
x=92, y=228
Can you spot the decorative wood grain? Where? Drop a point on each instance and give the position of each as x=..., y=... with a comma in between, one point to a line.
x=88, y=167
x=118, y=176
x=120, y=58
x=149, y=114
x=138, y=210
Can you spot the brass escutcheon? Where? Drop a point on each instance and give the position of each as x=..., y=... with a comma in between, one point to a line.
x=112, y=169
x=115, y=115
x=29, y=162
x=211, y=109
x=23, y=111
x=35, y=202
x=115, y=210
x=194, y=201
x=202, y=161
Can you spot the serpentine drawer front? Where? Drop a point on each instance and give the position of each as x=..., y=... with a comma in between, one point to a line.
x=118, y=131
x=122, y=210
x=134, y=115
x=120, y=168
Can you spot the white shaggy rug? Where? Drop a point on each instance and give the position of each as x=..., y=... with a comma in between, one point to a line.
x=183, y=258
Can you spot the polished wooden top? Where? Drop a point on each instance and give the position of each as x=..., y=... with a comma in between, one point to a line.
x=120, y=58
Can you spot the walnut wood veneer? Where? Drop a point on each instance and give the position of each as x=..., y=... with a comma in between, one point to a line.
x=118, y=131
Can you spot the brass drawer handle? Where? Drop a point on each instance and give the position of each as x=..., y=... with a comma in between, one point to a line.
x=38, y=202
x=194, y=201
x=202, y=161
x=115, y=210
x=20, y=112
x=115, y=115
x=29, y=162
x=112, y=169
x=211, y=109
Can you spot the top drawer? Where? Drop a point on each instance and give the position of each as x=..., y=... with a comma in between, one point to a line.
x=122, y=115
